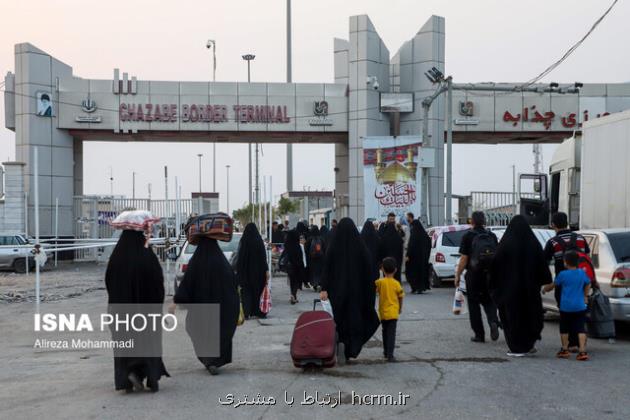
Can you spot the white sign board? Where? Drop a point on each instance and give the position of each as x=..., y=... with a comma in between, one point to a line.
x=396, y=102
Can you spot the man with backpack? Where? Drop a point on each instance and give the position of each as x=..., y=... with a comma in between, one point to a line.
x=477, y=250
x=556, y=248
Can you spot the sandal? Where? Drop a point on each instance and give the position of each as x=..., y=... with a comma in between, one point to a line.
x=582, y=356
x=563, y=354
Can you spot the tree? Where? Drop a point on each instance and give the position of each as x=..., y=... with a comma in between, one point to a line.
x=287, y=206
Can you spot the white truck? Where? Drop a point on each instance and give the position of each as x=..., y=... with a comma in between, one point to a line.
x=590, y=175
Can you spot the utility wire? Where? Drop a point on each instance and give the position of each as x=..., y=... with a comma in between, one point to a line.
x=570, y=50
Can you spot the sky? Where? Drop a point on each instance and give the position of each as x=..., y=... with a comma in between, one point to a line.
x=486, y=40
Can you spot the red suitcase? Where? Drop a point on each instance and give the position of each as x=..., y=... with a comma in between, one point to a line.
x=314, y=340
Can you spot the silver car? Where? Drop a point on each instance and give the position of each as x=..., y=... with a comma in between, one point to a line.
x=610, y=252
x=14, y=250
x=181, y=262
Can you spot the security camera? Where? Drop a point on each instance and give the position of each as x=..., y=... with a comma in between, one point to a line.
x=209, y=44
x=372, y=80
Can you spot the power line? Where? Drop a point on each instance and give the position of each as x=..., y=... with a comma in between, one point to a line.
x=570, y=50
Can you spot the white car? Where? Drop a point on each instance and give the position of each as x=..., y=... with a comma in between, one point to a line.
x=445, y=242
x=610, y=253
x=181, y=262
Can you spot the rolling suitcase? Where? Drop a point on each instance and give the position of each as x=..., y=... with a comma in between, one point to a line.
x=314, y=341
x=600, y=322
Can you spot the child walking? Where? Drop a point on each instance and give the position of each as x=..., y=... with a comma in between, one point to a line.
x=390, y=299
x=575, y=285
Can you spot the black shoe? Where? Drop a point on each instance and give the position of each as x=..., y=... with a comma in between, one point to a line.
x=476, y=339
x=213, y=370
x=494, y=331
x=391, y=359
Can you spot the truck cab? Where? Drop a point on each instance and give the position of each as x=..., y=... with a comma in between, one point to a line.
x=564, y=172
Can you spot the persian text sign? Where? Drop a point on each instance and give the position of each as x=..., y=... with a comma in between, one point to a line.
x=265, y=114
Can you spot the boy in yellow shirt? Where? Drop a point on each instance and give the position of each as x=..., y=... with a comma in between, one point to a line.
x=390, y=299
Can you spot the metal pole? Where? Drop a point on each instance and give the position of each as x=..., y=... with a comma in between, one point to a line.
x=199, y=155
x=227, y=194
x=250, y=151
x=177, y=215
x=264, y=223
x=36, y=202
x=270, y=232
x=514, y=187
x=133, y=191
x=257, y=188
x=449, y=152
x=289, y=80
x=214, y=145
x=424, y=213
x=56, y=226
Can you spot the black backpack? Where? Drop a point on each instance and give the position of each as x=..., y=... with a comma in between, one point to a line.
x=484, y=247
x=317, y=247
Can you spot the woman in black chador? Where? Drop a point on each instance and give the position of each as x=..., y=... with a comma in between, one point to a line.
x=252, y=270
x=417, y=265
x=209, y=279
x=518, y=271
x=315, y=248
x=392, y=246
x=349, y=284
x=295, y=259
x=134, y=276
x=370, y=238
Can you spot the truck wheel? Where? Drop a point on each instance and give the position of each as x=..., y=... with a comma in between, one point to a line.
x=19, y=265
x=436, y=282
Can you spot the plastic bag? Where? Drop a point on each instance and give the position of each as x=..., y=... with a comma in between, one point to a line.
x=327, y=307
x=458, y=302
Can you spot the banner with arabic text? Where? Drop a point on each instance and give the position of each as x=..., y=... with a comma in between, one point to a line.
x=392, y=176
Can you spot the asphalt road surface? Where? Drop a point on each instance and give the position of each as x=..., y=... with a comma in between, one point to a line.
x=439, y=373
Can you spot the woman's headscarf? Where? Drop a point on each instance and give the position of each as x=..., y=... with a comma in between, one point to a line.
x=134, y=274
x=251, y=263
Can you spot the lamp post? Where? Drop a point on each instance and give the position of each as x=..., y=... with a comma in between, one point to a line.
x=133, y=183
x=249, y=58
x=227, y=193
x=199, y=155
x=289, y=80
x=213, y=44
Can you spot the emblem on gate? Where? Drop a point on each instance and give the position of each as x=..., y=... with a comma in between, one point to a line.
x=320, y=108
x=88, y=105
x=466, y=108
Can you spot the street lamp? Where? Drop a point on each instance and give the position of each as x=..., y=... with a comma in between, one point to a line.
x=199, y=155
x=227, y=194
x=249, y=58
x=213, y=44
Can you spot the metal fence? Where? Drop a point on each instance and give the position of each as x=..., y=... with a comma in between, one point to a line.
x=92, y=215
x=499, y=207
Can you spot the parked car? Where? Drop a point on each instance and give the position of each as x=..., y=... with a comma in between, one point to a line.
x=14, y=250
x=610, y=253
x=181, y=262
x=445, y=242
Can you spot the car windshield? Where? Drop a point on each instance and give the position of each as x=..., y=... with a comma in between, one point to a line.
x=620, y=244
x=453, y=239
x=231, y=246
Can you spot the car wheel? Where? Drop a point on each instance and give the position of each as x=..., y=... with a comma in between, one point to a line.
x=19, y=265
x=436, y=282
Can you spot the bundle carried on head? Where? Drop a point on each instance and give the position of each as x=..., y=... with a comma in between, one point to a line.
x=217, y=226
x=138, y=220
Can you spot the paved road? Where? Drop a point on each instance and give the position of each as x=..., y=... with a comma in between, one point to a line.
x=444, y=374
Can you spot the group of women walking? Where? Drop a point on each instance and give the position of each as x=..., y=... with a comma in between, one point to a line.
x=344, y=264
